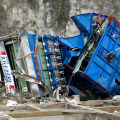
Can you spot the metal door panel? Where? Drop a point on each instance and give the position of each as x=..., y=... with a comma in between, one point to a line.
x=94, y=71
x=100, y=68
x=103, y=79
x=103, y=65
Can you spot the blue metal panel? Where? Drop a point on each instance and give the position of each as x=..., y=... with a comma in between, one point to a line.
x=69, y=55
x=54, y=60
x=84, y=81
x=83, y=22
x=72, y=42
x=100, y=68
x=32, y=45
x=40, y=67
x=64, y=49
x=74, y=90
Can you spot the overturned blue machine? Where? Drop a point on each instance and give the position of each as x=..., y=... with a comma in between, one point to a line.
x=91, y=60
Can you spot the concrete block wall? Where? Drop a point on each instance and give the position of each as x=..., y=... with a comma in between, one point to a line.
x=38, y=16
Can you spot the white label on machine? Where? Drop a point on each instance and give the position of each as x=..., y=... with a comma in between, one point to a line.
x=7, y=70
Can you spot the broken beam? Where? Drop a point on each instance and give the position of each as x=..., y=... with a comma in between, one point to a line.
x=36, y=113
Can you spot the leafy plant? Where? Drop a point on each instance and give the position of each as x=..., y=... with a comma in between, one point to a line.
x=23, y=95
x=44, y=1
x=34, y=23
x=34, y=102
x=91, y=96
x=97, y=105
x=54, y=21
x=1, y=102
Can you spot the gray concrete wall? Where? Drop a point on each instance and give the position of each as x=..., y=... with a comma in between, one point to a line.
x=36, y=16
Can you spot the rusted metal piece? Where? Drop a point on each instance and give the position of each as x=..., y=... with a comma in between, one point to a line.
x=33, y=80
x=24, y=56
x=37, y=67
x=36, y=49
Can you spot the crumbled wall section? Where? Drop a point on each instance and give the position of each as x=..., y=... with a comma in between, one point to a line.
x=38, y=16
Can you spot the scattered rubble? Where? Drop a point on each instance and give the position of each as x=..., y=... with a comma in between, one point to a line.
x=43, y=73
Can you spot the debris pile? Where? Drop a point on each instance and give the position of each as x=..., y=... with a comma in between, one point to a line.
x=85, y=65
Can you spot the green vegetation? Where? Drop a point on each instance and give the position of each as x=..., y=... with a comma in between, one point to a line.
x=24, y=94
x=91, y=96
x=98, y=105
x=1, y=102
x=34, y=23
x=44, y=1
x=54, y=21
x=34, y=102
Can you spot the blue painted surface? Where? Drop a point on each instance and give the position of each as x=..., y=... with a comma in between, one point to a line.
x=83, y=81
x=74, y=90
x=99, y=68
x=40, y=67
x=101, y=73
x=69, y=55
x=52, y=50
x=71, y=46
x=74, y=42
x=83, y=22
x=32, y=45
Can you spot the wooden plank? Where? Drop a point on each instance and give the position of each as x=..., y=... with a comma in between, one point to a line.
x=32, y=79
x=109, y=108
x=111, y=102
x=92, y=103
x=20, y=107
x=4, y=116
x=35, y=114
x=78, y=111
x=33, y=108
x=63, y=112
x=100, y=102
x=51, y=105
x=24, y=56
x=6, y=108
x=108, y=115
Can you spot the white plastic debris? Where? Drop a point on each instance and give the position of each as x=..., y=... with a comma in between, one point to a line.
x=71, y=101
x=116, y=112
x=11, y=103
x=77, y=98
x=117, y=97
x=57, y=93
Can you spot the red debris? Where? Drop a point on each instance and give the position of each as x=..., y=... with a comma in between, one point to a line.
x=90, y=15
x=102, y=18
x=97, y=18
x=118, y=24
x=110, y=18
